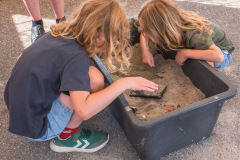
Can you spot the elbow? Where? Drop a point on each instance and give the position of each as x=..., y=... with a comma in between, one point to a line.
x=220, y=58
x=83, y=115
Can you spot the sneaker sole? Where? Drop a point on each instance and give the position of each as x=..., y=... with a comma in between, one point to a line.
x=69, y=149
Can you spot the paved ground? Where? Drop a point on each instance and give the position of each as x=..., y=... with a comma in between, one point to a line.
x=224, y=142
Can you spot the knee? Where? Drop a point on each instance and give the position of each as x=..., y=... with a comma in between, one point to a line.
x=96, y=79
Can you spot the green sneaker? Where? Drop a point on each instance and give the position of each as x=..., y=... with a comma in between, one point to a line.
x=82, y=141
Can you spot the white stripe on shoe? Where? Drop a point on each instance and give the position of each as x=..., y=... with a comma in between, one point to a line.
x=86, y=144
x=78, y=144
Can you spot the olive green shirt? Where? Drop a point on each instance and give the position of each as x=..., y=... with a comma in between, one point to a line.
x=202, y=41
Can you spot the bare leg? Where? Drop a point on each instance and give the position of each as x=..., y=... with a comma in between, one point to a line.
x=58, y=8
x=33, y=9
x=96, y=83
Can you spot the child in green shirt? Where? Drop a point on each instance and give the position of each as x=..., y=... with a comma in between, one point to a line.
x=188, y=34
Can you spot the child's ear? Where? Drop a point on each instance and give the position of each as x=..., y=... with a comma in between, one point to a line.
x=99, y=41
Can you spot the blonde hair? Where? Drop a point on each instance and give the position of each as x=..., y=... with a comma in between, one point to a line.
x=97, y=18
x=165, y=24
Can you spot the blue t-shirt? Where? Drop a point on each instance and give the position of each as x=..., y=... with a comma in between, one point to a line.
x=46, y=68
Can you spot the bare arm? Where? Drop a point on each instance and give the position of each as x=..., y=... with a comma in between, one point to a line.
x=87, y=105
x=147, y=56
x=212, y=54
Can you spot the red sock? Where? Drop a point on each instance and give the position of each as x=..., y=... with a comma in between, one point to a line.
x=67, y=132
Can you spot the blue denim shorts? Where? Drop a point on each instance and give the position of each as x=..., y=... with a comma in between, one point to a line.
x=227, y=60
x=58, y=119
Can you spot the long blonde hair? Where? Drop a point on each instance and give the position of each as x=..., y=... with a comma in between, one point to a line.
x=97, y=18
x=165, y=24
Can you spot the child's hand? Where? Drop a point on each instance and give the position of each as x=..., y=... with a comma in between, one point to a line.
x=180, y=58
x=147, y=58
x=140, y=83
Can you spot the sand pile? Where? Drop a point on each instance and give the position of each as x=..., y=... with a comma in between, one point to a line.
x=179, y=92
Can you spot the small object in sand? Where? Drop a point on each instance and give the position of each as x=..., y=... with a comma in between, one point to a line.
x=144, y=116
x=169, y=110
x=160, y=75
x=145, y=94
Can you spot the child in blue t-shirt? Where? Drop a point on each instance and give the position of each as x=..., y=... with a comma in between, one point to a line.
x=181, y=35
x=53, y=88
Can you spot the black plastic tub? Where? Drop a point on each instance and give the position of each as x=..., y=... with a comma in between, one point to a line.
x=166, y=133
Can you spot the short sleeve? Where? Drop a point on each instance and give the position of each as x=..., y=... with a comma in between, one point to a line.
x=199, y=40
x=75, y=75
